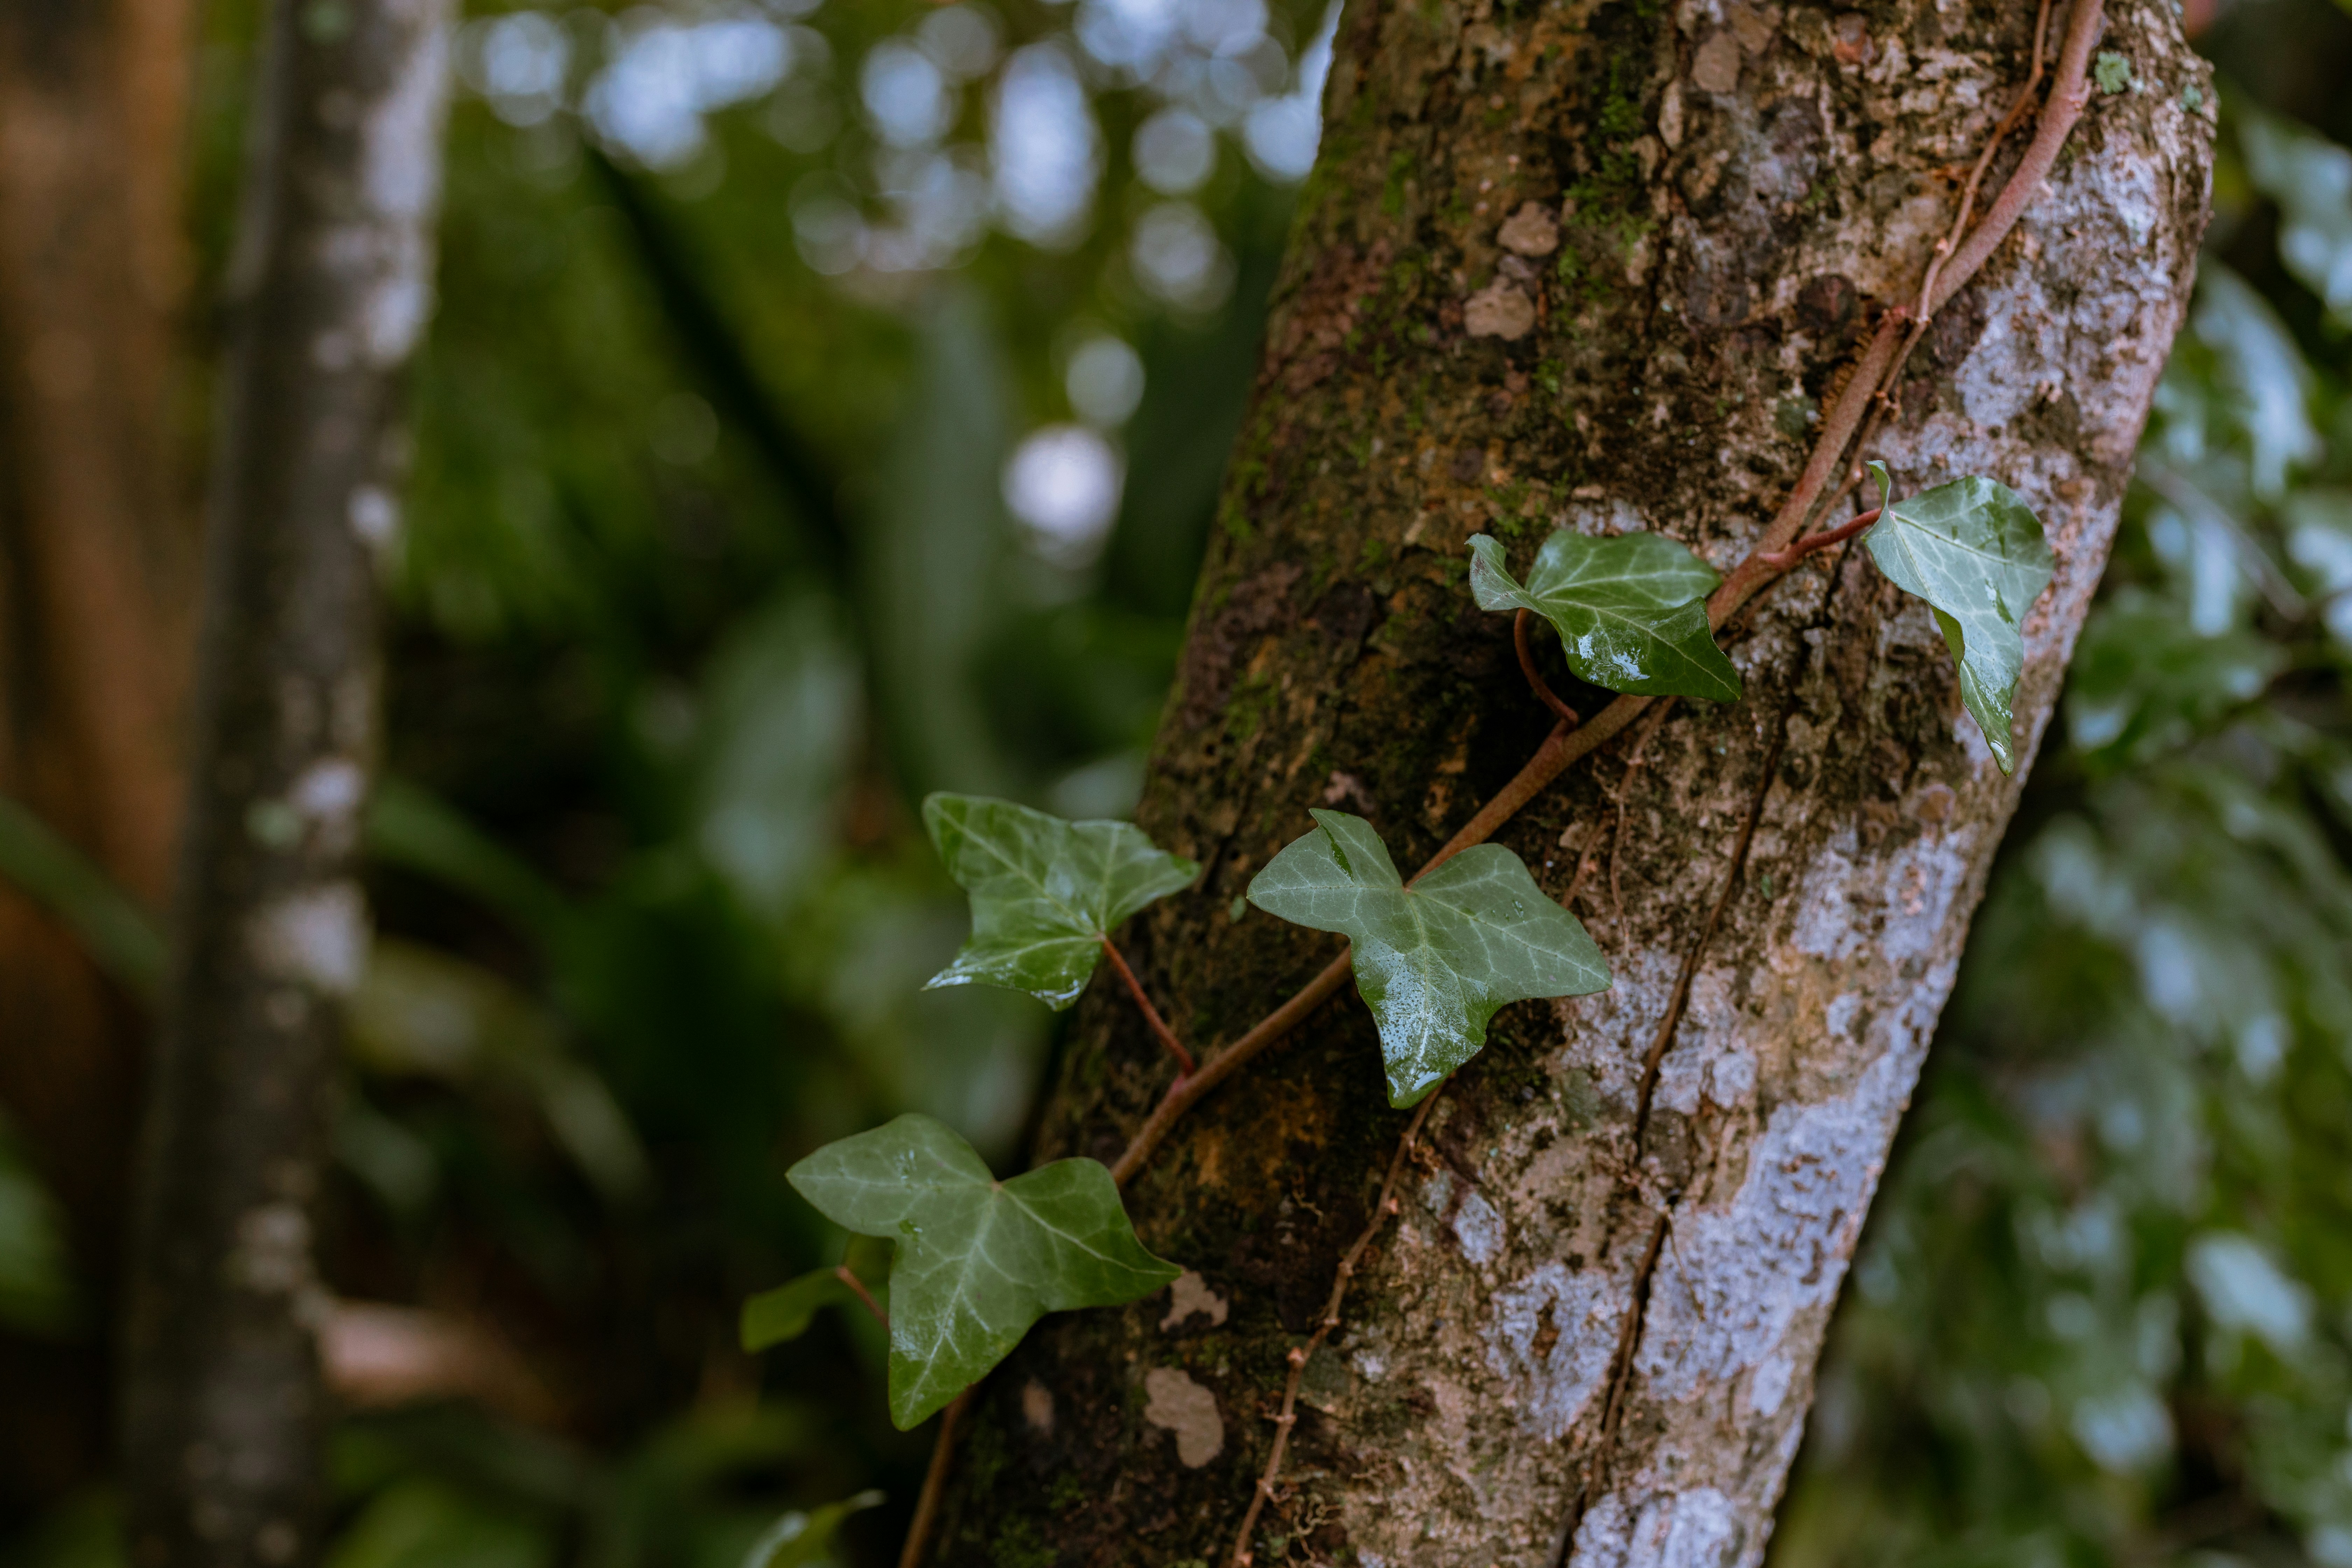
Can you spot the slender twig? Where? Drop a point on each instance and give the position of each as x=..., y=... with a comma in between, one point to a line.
x=1544, y=693
x=848, y=1277
x=1150, y=1014
x=1680, y=996
x=1382, y=1207
x=935, y=1480
x=1621, y=1368
x=1846, y=418
x=1825, y=540
x=1634, y=754
x=1617, y=810
x=1585, y=853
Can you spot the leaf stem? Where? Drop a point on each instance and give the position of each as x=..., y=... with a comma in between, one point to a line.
x=1188, y=1090
x=1150, y=1014
x=1383, y=1206
x=935, y=1480
x=848, y=1277
x=1543, y=690
x=1827, y=539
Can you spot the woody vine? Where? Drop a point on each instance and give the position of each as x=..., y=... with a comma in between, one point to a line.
x=958, y=1265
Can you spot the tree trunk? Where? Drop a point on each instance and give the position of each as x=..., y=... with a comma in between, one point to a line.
x=97, y=578
x=1589, y=1333
x=223, y=1414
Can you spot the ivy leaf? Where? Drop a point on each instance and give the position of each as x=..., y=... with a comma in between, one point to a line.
x=773, y=1317
x=798, y=1539
x=1974, y=550
x=1045, y=892
x=1433, y=961
x=977, y=1260
x=1631, y=611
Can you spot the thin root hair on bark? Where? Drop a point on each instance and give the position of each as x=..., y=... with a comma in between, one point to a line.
x=1286, y=1419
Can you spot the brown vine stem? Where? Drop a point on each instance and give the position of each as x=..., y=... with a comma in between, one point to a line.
x=1150, y=1014
x=1984, y=161
x=1812, y=543
x=2068, y=96
x=1542, y=688
x=1382, y=1207
x=935, y=1480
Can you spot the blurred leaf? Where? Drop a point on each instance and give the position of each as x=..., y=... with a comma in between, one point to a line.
x=1433, y=961
x=977, y=1260
x=2319, y=539
x=939, y=549
x=408, y=826
x=1631, y=611
x=400, y=1167
x=2144, y=682
x=429, y=1524
x=2263, y=374
x=428, y=1014
x=121, y=938
x=778, y=725
x=773, y=1317
x=35, y=1297
x=1974, y=550
x=799, y=1539
x=84, y=1531
x=2311, y=179
x=1046, y=893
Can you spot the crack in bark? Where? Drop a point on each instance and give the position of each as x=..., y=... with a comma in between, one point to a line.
x=1629, y=1339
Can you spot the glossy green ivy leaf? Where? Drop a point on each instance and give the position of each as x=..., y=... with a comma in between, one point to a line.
x=1045, y=892
x=773, y=1317
x=800, y=1538
x=1974, y=550
x=977, y=1260
x=1433, y=961
x=1631, y=611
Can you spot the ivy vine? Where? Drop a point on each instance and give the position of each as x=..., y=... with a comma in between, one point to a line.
x=972, y=1262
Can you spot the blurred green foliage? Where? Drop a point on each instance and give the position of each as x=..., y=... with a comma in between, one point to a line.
x=707, y=575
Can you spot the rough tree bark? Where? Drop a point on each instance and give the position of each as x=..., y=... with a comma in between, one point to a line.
x=223, y=1414
x=96, y=577
x=1590, y=1335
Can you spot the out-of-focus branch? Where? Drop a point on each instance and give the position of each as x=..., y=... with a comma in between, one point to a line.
x=225, y=1410
x=713, y=350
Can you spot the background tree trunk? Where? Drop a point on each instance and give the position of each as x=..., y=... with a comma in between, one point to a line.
x=97, y=578
x=224, y=1412
x=1540, y=1364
